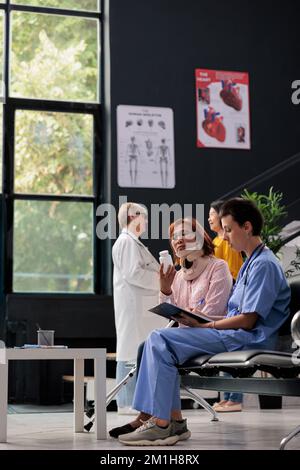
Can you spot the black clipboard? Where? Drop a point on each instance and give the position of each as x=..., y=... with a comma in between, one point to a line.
x=172, y=312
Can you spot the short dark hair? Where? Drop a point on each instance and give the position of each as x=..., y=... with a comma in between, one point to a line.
x=216, y=205
x=243, y=210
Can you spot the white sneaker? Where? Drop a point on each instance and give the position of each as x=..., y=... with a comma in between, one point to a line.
x=149, y=434
x=126, y=410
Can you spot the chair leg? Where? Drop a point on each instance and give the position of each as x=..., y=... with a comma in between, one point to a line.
x=201, y=402
x=114, y=391
x=288, y=438
x=110, y=396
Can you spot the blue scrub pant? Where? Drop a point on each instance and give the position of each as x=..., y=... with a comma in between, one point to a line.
x=158, y=384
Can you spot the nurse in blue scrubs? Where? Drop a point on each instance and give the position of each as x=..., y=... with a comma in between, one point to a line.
x=257, y=307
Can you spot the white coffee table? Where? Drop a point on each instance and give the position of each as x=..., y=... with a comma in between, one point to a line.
x=78, y=356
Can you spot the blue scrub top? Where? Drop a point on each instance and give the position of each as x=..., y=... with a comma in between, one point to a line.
x=266, y=293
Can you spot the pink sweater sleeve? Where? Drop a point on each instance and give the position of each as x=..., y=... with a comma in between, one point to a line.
x=169, y=298
x=218, y=292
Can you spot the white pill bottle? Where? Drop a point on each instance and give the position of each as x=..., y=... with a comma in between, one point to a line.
x=165, y=259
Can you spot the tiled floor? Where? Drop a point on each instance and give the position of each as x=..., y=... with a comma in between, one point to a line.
x=251, y=429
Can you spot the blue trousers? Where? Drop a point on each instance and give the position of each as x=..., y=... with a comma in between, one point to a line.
x=232, y=396
x=157, y=389
x=126, y=393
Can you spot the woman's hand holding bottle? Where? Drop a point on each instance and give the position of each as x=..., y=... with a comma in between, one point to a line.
x=166, y=279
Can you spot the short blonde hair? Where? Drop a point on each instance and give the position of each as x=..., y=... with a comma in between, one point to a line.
x=129, y=209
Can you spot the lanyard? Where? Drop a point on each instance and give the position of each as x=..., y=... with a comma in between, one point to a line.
x=256, y=253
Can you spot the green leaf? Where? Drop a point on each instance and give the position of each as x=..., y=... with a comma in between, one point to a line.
x=273, y=211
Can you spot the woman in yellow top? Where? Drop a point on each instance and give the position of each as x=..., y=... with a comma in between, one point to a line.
x=222, y=248
x=232, y=401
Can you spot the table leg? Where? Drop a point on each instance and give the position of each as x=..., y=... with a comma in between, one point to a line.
x=78, y=395
x=3, y=401
x=100, y=397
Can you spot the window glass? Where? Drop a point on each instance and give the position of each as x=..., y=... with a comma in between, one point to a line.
x=54, y=57
x=87, y=5
x=53, y=247
x=53, y=153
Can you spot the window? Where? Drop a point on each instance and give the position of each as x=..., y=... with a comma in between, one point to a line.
x=88, y=5
x=53, y=247
x=53, y=153
x=50, y=72
x=54, y=57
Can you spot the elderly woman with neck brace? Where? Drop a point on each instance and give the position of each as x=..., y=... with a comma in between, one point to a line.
x=202, y=284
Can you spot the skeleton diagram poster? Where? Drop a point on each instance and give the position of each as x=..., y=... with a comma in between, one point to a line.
x=145, y=147
x=223, y=116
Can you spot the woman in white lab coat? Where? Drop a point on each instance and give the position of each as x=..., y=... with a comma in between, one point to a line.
x=136, y=289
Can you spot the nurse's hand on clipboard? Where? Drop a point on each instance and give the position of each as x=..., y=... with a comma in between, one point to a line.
x=166, y=279
x=185, y=320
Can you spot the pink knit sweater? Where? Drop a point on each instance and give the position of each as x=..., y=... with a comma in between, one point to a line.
x=213, y=285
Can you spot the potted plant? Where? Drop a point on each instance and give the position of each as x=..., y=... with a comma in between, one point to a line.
x=294, y=266
x=273, y=212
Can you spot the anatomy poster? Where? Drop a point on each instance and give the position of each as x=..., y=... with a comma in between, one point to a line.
x=145, y=147
x=223, y=116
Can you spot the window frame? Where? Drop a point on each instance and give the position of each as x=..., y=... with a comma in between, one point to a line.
x=13, y=104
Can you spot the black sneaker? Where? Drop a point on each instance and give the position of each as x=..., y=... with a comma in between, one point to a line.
x=116, y=432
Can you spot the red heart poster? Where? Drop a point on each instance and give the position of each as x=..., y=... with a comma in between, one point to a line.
x=223, y=115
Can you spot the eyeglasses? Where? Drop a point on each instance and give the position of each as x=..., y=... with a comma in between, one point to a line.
x=138, y=213
x=187, y=235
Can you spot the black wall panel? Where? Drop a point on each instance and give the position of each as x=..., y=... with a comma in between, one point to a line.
x=156, y=46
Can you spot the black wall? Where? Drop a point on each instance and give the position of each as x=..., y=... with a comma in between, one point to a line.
x=79, y=321
x=156, y=45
